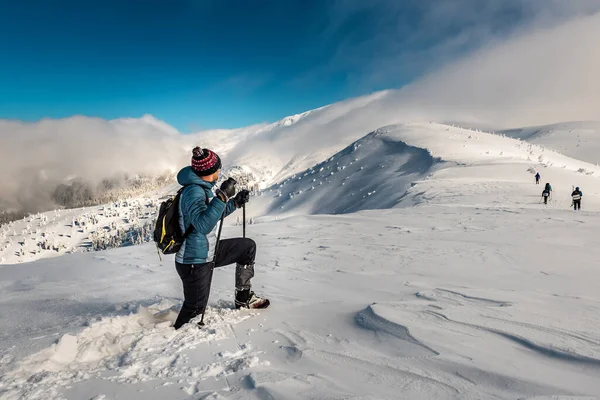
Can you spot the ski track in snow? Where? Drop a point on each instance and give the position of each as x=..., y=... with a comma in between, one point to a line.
x=459, y=285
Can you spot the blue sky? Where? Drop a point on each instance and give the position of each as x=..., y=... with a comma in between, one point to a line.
x=208, y=64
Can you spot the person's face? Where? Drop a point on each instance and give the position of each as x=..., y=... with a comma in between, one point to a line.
x=213, y=177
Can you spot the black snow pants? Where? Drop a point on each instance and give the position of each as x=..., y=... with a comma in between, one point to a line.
x=196, y=277
x=577, y=204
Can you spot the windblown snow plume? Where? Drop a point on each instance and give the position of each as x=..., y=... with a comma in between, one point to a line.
x=543, y=75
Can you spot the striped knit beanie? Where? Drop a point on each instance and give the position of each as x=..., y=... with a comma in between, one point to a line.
x=205, y=162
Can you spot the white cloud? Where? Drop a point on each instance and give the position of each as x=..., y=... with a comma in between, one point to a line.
x=34, y=157
x=542, y=76
x=408, y=38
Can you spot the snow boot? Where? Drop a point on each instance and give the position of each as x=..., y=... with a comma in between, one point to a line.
x=248, y=299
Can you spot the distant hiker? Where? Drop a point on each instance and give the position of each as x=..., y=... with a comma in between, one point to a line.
x=200, y=208
x=547, y=193
x=576, y=196
x=537, y=178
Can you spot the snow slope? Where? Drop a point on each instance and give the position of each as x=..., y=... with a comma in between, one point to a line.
x=59, y=232
x=373, y=172
x=428, y=302
x=574, y=139
x=452, y=283
x=380, y=170
x=295, y=143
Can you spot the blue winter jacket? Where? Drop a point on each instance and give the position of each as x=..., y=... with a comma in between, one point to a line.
x=193, y=209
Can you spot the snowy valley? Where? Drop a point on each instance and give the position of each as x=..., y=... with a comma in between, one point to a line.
x=412, y=261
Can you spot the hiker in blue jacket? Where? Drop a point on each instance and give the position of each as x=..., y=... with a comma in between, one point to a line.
x=537, y=178
x=200, y=208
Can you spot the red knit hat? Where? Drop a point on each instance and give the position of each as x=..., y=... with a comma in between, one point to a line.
x=205, y=162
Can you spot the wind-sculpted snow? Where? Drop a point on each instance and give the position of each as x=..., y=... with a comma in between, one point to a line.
x=369, y=318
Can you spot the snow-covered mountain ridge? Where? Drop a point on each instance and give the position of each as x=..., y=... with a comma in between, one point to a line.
x=389, y=165
x=396, y=165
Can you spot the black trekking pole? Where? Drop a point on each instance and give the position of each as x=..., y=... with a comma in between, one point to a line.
x=244, y=216
x=212, y=267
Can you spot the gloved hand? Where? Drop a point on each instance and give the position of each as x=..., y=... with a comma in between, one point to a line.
x=227, y=189
x=241, y=198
